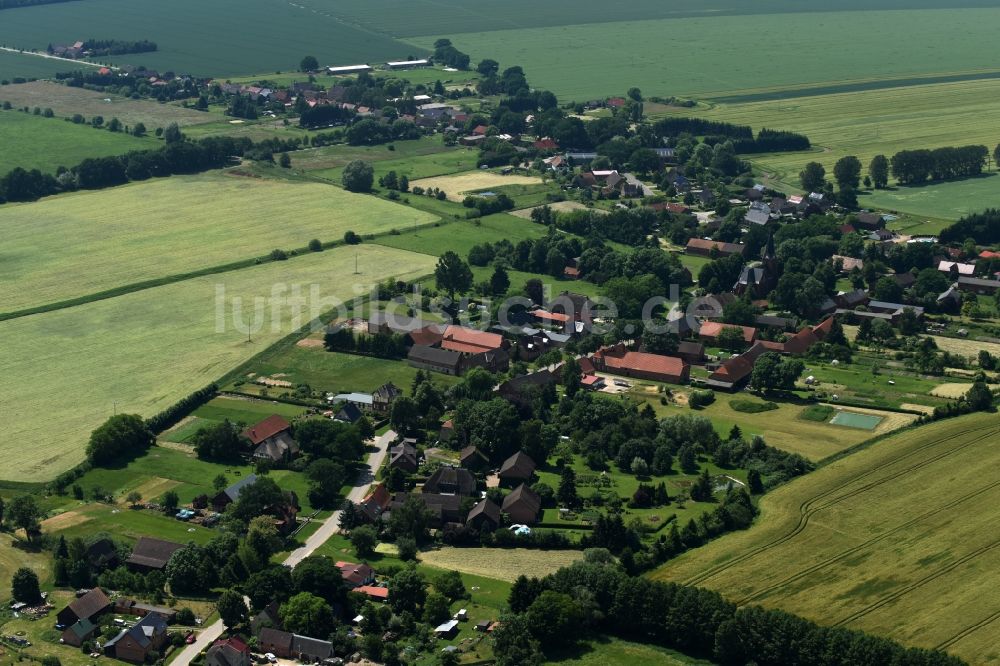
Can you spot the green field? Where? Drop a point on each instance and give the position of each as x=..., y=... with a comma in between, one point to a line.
x=897, y=539
x=605, y=651
x=34, y=142
x=413, y=167
x=143, y=231
x=950, y=201
x=28, y=66
x=227, y=37
x=717, y=55
x=63, y=372
x=460, y=236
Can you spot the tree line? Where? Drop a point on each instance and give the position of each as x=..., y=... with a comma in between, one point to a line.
x=548, y=614
x=106, y=47
x=983, y=228
x=380, y=345
x=911, y=167
x=772, y=141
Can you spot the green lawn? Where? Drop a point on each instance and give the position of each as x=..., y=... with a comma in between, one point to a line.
x=35, y=142
x=245, y=411
x=146, y=350
x=143, y=231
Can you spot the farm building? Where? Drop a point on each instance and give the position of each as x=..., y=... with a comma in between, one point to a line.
x=408, y=64
x=151, y=554
x=736, y=370
x=522, y=505
x=655, y=367
x=435, y=360
x=978, y=285
x=275, y=641
x=78, y=632
x=232, y=493
x=472, y=458
x=703, y=248
x=447, y=480
x=349, y=69
x=443, y=508
x=485, y=515
x=88, y=607
x=710, y=330
x=518, y=467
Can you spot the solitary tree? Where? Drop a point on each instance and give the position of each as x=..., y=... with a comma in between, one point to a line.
x=358, y=176
x=309, y=64
x=452, y=274
x=813, y=177
x=232, y=609
x=24, y=513
x=24, y=586
x=847, y=172
x=364, y=539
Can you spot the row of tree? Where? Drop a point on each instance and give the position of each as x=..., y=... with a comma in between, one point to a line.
x=911, y=167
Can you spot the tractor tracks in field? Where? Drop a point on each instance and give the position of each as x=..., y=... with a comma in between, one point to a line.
x=968, y=631
x=810, y=506
x=865, y=544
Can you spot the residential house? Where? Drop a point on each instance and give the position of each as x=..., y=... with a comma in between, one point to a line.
x=136, y=643
x=363, y=401
x=710, y=330
x=310, y=650
x=403, y=456
x=759, y=216
x=545, y=143
x=522, y=505
x=847, y=264
x=384, y=396
x=275, y=641
x=473, y=459
x=517, y=468
x=521, y=390
x=272, y=439
x=904, y=279
x=151, y=554
x=230, y=651
x=375, y=503
x=356, y=575
x=447, y=480
x=704, y=248
x=851, y=299
x=102, y=554
x=90, y=606
x=443, y=508
x=655, y=367
x=373, y=592
x=485, y=515
x=349, y=413
x=869, y=221
x=772, y=321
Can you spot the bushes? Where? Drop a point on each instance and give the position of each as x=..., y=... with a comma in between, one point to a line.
x=699, y=399
x=821, y=413
x=173, y=414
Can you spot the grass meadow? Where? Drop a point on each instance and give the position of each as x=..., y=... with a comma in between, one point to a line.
x=66, y=101
x=142, y=231
x=413, y=167
x=35, y=142
x=28, y=66
x=64, y=372
x=896, y=539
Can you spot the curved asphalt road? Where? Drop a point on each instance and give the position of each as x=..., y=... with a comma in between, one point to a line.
x=328, y=528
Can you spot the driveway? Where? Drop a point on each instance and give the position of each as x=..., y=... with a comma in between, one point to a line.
x=328, y=528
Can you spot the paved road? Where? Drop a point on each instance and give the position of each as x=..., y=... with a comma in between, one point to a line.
x=328, y=528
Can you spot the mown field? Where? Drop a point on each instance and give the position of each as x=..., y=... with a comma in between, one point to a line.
x=717, y=55
x=64, y=372
x=501, y=563
x=142, y=231
x=950, y=200
x=413, y=167
x=66, y=101
x=227, y=37
x=34, y=142
x=897, y=539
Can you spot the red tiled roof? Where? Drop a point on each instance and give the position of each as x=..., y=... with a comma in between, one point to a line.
x=989, y=254
x=591, y=380
x=551, y=316
x=645, y=362
x=546, y=144
x=712, y=329
x=823, y=328
x=266, y=429
x=707, y=245
x=587, y=366
x=427, y=336
x=373, y=591
x=467, y=336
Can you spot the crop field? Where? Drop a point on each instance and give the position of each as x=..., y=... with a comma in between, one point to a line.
x=716, y=55
x=461, y=235
x=228, y=37
x=66, y=101
x=331, y=157
x=142, y=351
x=950, y=200
x=500, y=563
x=28, y=66
x=34, y=142
x=897, y=539
x=142, y=231
x=459, y=184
